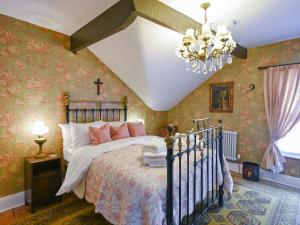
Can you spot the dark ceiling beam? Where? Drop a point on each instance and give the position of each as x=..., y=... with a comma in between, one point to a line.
x=123, y=13
x=164, y=15
x=111, y=21
x=240, y=52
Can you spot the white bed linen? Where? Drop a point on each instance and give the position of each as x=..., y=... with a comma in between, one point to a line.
x=79, y=166
x=66, y=134
x=125, y=191
x=81, y=159
x=68, y=154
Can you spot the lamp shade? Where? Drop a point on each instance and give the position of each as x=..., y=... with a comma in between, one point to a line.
x=222, y=30
x=40, y=128
x=189, y=32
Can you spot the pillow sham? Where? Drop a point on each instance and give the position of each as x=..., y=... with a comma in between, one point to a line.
x=66, y=134
x=100, y=135
x=136, y=129
x=119, y=132
x=80, y=133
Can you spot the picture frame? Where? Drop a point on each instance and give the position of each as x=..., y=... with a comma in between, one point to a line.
x=221, y=97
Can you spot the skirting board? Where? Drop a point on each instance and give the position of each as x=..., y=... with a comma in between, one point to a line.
x=267, y=175
x=12, y=201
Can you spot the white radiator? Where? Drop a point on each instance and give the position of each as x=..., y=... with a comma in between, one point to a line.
x=230, y=145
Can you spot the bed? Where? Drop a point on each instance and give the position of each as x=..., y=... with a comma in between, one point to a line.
x=113, y=177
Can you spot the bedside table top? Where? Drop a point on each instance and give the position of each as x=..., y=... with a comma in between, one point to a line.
x=32, y=159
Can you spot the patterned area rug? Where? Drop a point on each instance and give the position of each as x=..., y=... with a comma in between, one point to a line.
x=257, y=204
x=250, y=204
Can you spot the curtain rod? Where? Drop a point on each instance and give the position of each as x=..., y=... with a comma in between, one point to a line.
x=266, y=67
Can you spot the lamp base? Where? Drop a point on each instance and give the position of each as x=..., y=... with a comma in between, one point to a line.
x=40, y=155
x=40, y=141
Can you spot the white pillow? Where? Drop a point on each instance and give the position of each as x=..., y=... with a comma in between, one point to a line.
x=66, y=133
x=80, y=133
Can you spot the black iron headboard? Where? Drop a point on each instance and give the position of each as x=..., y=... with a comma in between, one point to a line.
x=90, y=110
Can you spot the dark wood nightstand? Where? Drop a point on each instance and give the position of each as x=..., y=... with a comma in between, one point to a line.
x=43, y=178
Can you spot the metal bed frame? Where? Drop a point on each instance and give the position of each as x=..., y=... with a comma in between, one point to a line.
x=103, y=110
x=210, y=135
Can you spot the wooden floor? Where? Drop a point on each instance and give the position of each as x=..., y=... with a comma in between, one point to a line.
x=15, y=214
x=12, y=215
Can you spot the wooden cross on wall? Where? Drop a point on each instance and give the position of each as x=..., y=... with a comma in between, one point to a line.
x=98, y=83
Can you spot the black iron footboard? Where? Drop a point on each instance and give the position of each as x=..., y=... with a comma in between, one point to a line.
x=207, y=139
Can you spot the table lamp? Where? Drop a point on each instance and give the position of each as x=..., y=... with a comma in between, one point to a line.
x=40, y=129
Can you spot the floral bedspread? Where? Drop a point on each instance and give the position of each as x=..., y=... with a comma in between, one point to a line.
x=125, y=191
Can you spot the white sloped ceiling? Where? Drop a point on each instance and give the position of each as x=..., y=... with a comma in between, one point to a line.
x=143, y=56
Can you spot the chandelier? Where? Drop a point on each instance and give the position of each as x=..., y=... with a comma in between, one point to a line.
x=204, y=50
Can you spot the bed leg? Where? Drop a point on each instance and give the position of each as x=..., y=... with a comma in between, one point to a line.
x=221, y=195
x=170, y=159
x=221, y=158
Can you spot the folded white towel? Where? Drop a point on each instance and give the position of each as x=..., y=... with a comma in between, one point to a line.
x=154, y=161
x=154, y=148
x=156, y=165
x=155, y=155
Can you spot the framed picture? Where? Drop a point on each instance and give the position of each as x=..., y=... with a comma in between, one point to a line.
x=221, y=97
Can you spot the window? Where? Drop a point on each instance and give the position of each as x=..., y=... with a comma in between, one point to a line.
x=290, y=144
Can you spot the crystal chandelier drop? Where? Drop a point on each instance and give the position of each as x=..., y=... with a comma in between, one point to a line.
x=203, y=50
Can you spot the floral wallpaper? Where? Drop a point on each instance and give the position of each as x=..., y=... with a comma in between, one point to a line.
x=36, y=68
x=248, y=117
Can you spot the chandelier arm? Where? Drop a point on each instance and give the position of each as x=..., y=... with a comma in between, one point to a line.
x=192, y=57
x=182, y=55
x=192, y=54
x=205, y=52
x=218, y=51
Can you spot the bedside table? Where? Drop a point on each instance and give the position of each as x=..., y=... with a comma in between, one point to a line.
x=43, y=178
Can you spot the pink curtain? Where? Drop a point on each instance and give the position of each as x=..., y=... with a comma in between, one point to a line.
x=282, y=103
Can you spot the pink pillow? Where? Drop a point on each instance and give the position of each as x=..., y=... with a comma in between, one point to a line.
x=119, y=132
x=99, y=135
x=136, y=129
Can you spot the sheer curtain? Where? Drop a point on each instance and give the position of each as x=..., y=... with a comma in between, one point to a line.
x=282, y=103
